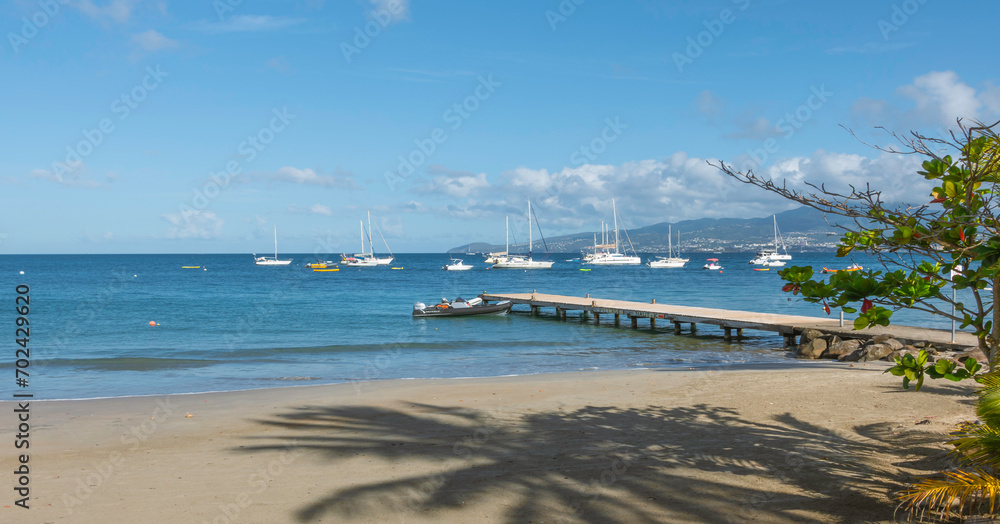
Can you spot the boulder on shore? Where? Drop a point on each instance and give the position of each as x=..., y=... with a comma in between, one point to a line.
x=975, y=353
x=875, y=352
x=880, y=339
x=812, y=349
x=894, y=344
x=809, y=335
x=842, y=347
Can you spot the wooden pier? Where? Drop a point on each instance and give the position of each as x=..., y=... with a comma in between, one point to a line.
x=788, y=326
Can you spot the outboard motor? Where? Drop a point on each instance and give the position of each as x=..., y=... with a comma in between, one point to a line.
x=419, y=306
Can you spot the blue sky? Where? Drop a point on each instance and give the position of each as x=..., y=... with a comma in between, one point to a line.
x=195, y=127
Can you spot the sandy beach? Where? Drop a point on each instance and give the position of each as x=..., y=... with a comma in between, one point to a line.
x=818, y=442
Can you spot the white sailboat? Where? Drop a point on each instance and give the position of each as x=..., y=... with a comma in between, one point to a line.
x=271, y=261
x=773, y=258
x=500, y=256
x=616, y=257
x=521, y=262
x=670, y=260
x=368, y=258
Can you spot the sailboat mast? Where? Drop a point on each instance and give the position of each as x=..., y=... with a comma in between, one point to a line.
x=614, y=211
x=276, y=241
x=506, y=249
x=775, y=217
x=529, y=229
x=371, y=246
x=362, y=236
x=670, y=245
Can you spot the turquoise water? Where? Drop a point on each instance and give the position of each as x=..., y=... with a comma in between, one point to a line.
x=233, y=325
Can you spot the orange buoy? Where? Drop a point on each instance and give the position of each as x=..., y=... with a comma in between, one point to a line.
x=152, y=322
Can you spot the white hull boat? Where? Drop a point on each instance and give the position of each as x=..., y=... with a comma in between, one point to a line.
x=608, y=257
x=271, y=261
x=457, y=264
x=669, y=261
x=521, y=262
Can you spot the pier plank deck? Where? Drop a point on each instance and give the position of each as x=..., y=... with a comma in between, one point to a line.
x=788, y=326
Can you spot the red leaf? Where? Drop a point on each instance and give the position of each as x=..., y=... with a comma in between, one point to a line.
x=826, y=308
x=788, y=287
x=961, y=235
x=937, y=201
x=866, y=305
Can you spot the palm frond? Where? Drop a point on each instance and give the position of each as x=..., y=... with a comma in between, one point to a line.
x=988, y=407
x=978, y=445
x=971, y=490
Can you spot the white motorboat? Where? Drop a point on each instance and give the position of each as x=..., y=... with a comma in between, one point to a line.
x=457, y=264
x=713, y=263
x=271, y=261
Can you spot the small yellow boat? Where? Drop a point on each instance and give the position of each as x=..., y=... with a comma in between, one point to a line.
x=190, y=267
x=321, y=270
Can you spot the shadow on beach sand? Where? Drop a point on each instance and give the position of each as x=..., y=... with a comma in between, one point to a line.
x=699, y=463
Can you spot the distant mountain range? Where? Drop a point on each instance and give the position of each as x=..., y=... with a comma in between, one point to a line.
x=802, y=229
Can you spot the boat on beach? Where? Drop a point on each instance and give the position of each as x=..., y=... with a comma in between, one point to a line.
x=461, y=308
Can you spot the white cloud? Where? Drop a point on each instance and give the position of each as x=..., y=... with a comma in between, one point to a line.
x=944, y=94
x=340, y=180
x=116, y=10
x=892, y=174
x=936, y=98
x=709, y=104
x=193, y=223
x=315, y=209
x=458, y=184
x=675, y=188
x=398, y=9
x=751, y=128
x=244, y=24
x=73, y=178
x=152, y=40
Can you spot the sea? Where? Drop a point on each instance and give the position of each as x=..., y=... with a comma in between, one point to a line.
x=132, y=325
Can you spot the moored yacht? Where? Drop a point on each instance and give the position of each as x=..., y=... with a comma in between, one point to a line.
x=609, y=257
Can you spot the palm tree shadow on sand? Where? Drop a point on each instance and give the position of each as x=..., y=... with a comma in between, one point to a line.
x=603, y=464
